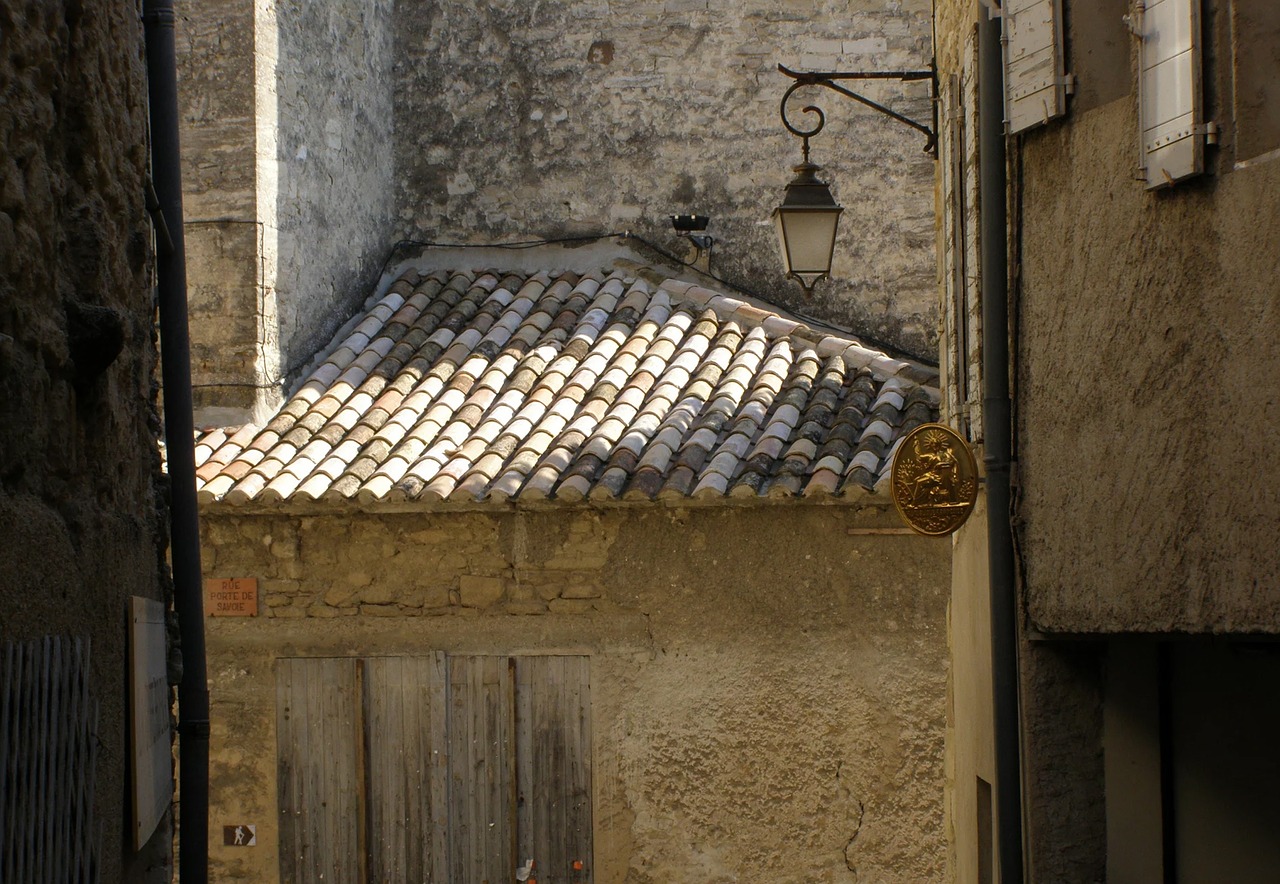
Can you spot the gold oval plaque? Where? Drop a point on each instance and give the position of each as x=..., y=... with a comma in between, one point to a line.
x=934, y=480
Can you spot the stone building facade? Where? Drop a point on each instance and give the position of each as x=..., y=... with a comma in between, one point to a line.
x=82, y=523
x=288, y=185
x=1141, y=306
x=757, y=709
x=619, y=550
x=315, y=138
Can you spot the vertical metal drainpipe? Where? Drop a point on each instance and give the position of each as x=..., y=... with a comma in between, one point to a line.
x=175, y=355
x=997, y=445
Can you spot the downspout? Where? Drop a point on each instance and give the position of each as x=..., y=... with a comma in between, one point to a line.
x=175, y=361
x=997, y=443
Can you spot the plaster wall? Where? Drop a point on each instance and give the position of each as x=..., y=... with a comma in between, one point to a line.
x=80, y=488
x=970, y=734
x=1063, y=775
x=1144, y=396
x=761, y=710
x=576, y=117
x=1147, y=401
x=1061, y=708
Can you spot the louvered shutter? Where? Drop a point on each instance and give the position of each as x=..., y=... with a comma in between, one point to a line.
x=1169, y=91
x=1034, y=81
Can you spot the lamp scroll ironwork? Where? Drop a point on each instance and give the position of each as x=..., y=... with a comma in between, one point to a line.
x=807, y=218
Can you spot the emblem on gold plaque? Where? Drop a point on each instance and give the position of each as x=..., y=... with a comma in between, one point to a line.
x=934, y=482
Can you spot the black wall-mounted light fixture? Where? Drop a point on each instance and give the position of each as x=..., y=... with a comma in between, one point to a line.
x=689, y=223
x=807, y=218
x=692, y=228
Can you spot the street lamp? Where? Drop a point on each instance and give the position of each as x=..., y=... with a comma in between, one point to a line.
x=806, y=221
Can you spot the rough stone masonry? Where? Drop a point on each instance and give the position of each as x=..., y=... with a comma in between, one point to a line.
x=81, y=495
x=318, y=136
x=760, y=710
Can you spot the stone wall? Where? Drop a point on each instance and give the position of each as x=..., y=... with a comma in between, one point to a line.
x=518, y=120
x=333, y=193
x=223, y=232
x=317, y=136
x=80, y=502
x=287, y=129
x=762, y=709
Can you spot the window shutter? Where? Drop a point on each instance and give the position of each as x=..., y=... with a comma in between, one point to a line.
x=1035, y=85
x=1169, y=91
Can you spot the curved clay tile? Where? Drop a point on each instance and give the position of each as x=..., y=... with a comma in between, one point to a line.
x=499, y=386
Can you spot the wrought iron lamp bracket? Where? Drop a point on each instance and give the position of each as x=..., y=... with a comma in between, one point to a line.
x=828, y=79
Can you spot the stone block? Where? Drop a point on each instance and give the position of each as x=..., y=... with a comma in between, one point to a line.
x=584, y=555
x=580, y=589
x=428, y=536
x=546, y=587
x=525, y=607
x=286, y=548
x=479, y=592
x=289, y=587
x=380, y=593
x=571, y=606
x=869, y=46
x=451, y=611
x=519, y=591
x=339, y=595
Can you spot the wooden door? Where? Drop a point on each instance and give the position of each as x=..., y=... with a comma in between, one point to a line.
x=318, y=730
x=482, y=790
x=434, y=769
x=404, y=717
x=553, y=719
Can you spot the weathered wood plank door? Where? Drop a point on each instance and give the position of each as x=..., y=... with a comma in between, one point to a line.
x=482, y=787
x=553, y=717
x=434, y=769
x=318, y=730
x=404, y=717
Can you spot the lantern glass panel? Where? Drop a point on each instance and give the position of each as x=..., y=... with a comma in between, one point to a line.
x=807, y=237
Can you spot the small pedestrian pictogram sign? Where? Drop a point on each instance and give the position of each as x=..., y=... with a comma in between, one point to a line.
x=240, y=836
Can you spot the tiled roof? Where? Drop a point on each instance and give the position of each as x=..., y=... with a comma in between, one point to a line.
x=472, y=387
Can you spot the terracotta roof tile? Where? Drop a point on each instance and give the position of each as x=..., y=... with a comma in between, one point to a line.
x=494, y=386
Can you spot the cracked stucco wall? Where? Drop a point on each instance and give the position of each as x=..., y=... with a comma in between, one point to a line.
x=761, y=710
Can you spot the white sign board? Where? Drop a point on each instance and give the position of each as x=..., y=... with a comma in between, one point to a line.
x=149, y=716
